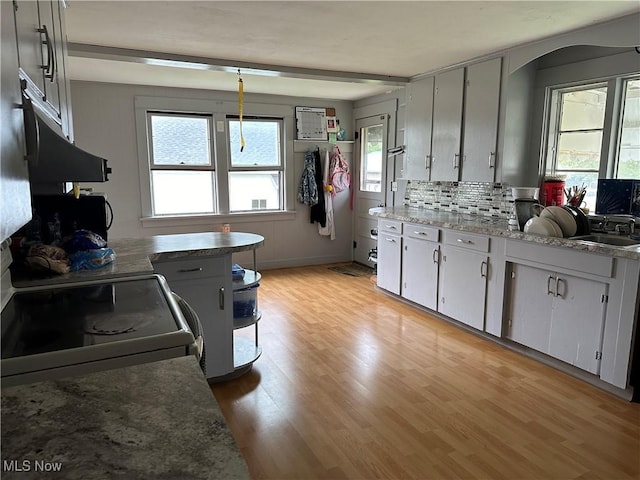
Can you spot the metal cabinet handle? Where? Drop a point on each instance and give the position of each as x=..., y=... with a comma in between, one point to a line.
x=221, y=298
x=484, y=269
x=558, y=294
x=435, y=255
x=391, y=240
x=456, y=160
x=462, y=240
x=31, y=131
x=187, y=270
x=427, y=163
x=50, y=67
x=391, y=227
x=492, y=159
x=549, y=291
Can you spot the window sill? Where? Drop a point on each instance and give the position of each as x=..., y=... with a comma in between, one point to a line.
x=214, y=219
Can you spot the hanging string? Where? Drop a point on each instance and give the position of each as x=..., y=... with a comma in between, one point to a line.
x=240, y=105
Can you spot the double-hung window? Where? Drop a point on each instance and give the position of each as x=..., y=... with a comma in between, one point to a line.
x=181, y=163
x=594, y=133
x=255, y=170
x=576, y=135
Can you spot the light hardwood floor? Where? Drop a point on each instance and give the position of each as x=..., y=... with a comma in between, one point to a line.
x=354, y=384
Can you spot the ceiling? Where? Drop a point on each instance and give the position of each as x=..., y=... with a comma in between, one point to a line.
x=341, y=50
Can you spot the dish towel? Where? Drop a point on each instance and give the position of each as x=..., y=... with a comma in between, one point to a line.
x=329, y=229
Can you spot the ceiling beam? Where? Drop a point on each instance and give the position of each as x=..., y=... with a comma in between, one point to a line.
x=225, y=65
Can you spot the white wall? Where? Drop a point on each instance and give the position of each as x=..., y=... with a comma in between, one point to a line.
x=104, y=124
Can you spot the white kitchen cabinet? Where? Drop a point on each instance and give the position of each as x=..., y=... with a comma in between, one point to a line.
x=447, y=125
x=205, y=283
x=481, y=109
x=420, y=259
x=15, y=194
x=558, y=314
x=41, y=41
x=389, y=255
x=463, y=285
x=417, y=158
x=529, y=320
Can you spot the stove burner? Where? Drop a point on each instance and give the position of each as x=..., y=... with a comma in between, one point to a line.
x=108, y=324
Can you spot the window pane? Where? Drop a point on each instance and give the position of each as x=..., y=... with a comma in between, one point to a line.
x=579, y=151
x=182, y=192
x=589, y=180
x=180, y=140
x=254, y=191
x=583, y=109
x=629, y=150
x=371, y=161
x=262, y=143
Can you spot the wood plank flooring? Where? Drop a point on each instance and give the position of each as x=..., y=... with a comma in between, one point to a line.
x=354, y=384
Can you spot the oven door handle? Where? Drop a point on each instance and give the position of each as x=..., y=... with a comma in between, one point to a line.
x=195, y=326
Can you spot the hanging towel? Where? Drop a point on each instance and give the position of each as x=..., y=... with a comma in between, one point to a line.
x=308, y=189
x=318, y=212
x=329, y=230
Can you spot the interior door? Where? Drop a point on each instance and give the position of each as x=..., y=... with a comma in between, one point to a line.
x=369, y=181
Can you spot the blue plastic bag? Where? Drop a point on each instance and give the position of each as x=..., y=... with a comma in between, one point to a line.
x=91, y=259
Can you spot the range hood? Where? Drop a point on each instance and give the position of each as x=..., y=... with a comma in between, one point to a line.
x=52, y=159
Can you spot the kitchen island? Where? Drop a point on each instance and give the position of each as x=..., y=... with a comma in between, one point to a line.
x=157, y=420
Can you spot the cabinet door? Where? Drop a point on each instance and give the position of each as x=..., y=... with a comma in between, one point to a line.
x=50, y=20
x=481, y=109
x=211, y=296
x=577, y=321
x=447, y=125
x=463, y=285
x=15, y=195
x=420, y=272
x=530, y=303
x=389, y=261
x=418, y=130
x=30, y=47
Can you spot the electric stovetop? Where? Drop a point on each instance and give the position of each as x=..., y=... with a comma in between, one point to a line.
x=77, y=328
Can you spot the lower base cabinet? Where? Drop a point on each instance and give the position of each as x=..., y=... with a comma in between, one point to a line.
x=389, y=261
x=558, y=314
x=420, y=260
x=463, y=285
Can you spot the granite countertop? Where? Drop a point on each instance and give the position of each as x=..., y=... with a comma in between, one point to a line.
x=134, y=255
x=496, y=227
x=158, y=420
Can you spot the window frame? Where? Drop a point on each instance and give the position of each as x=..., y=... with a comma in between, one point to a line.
x=622, y=85
x=258, y=168
x=225, y=104
x=611, y=131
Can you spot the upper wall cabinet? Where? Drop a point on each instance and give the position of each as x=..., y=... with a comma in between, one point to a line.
x=481, y=110
x=41, y=55
x=447, y=125
x=418, y=130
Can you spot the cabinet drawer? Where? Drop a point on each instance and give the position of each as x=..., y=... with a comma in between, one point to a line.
x=193, y=268
x=391, y=226
x=423, y=232
x=471, y=241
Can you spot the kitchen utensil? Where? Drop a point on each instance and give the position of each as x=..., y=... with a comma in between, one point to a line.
x=543, y=226
x=525, y=209
x=583, y=226
x=563, y=218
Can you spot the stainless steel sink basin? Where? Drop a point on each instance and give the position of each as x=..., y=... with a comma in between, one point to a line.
x=616, y=240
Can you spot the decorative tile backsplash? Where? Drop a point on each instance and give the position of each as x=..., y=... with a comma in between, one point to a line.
x=478, y=198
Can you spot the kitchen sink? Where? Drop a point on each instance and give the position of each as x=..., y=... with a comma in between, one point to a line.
x=616, y=240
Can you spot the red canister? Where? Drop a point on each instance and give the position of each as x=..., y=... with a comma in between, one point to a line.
x=553, y=192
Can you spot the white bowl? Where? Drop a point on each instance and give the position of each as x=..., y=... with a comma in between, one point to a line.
x=524, y=192
x=563, y=218
x=543, y=226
